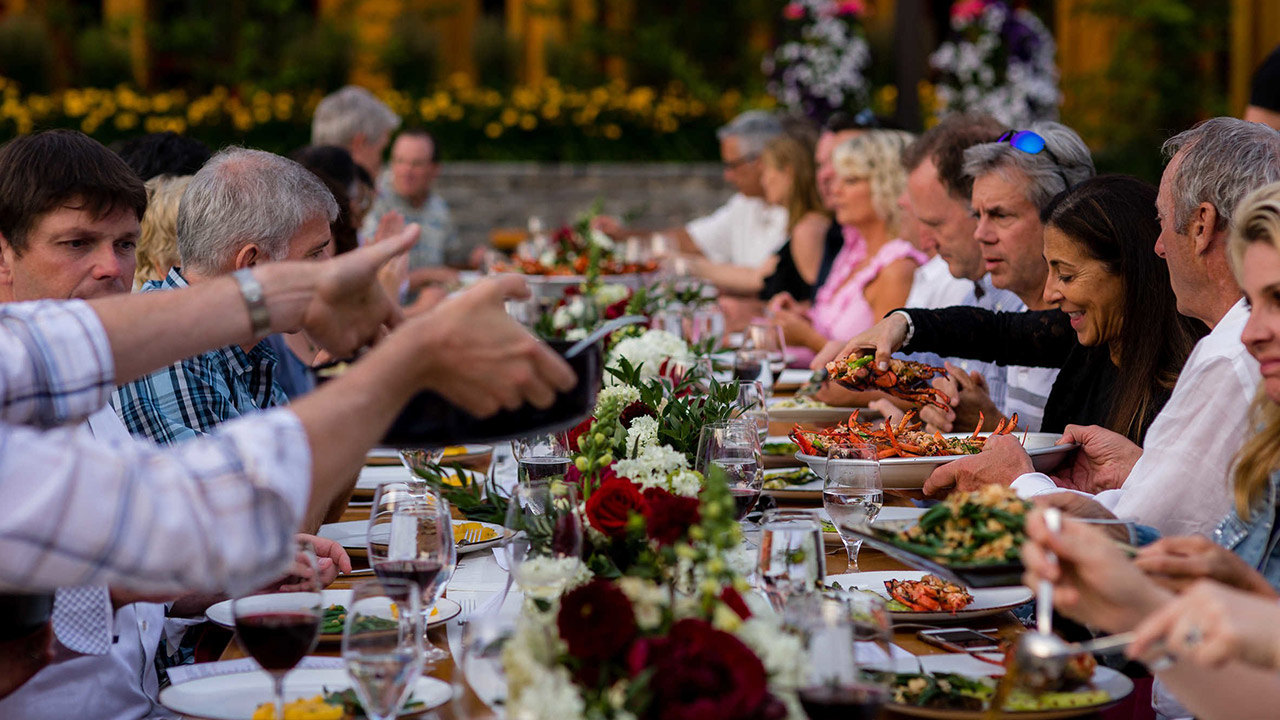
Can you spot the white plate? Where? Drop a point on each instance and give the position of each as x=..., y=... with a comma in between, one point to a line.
x=391, y=456
x=236, y=696
x=352, y=534
x=820, y=415
x=220, y=613
x=1104, y=678
x=910, y=473
x=986, y=602
x=809, y=491
x=372, y=476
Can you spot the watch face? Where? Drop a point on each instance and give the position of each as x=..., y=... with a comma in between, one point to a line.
x=255, y=301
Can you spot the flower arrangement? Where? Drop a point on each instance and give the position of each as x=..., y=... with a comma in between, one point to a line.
x=820, y=66
x=998, y=61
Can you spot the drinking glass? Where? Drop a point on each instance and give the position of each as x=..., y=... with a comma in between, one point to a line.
x=546, y=550
x=420, y=462
x=733, y=446
x=844, y=636
x=669, y=319
x=483, y=639
x=752, y=364
x=792, y=561
x=414, y=541
x=750, y=405
x=278, y=629
x=705, y=322
x=852, y=493
x=541, y=458
x=382, y=644
x=769, y=337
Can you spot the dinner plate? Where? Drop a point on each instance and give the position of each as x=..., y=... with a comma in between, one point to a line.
x=986, y=601
x=474, y=455
x=887, y=514
x=373, y=476
x=791, y=379
x=780, y=461
x=352, y=536
x=221, y=613
x=1114, y=683
x=910, y=473
x=810, y=491
x=236, y=696
x=818, y=415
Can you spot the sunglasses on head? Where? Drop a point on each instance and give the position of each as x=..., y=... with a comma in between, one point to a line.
x=1034, y=144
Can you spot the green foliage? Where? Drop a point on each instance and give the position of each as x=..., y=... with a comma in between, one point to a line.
x=494, y=54
x=680, y=423
x=26, y=52
x=411, y=57
x=103, y=58
x=320, y=57
x=481, y=502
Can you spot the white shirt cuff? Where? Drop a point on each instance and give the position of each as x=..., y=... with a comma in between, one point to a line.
x=1032, y=484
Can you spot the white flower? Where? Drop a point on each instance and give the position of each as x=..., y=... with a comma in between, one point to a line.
x=614, y=398
x=685, y=483
x=548, y=577
x=601, y=240
x=575, y=334
x=781, y=652
x=648, y=600
x=652, y=466
x=649, y=351
x=642, y=435
x=610, y=293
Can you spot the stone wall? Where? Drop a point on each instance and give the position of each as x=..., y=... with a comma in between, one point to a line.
x=487, y=195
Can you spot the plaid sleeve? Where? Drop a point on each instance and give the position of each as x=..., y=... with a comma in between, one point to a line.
x=56, y=365
x=185, y=400
x=214, y=514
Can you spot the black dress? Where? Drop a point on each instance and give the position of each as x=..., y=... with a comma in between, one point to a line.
x=1084, y=390
x=787, y=278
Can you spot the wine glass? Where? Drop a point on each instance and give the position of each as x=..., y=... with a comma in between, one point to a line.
x=792, y=561
x=546, y=550
x=420, y=462
x=541, y=458
x=278, y=629
x=769, y=337
x=852, y=493
x=382, y=644
x=752, y=364
x=845, y=636
x=733, y=447
x=750, y=405
x=706, y=322
x=414, y=541
x=483, y=639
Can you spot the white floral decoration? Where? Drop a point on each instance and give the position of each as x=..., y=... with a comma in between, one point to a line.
x=648, y=600
x=652, y=467
x=824, y=69
x=614, y=398
x=642, y=435
x=686, y=483
x=649, y=351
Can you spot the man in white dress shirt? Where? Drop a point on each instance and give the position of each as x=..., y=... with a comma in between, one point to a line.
x=1179, y=481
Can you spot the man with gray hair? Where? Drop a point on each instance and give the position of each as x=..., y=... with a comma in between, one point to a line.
x=243, y=208
x=746, y=230
x=358, y=122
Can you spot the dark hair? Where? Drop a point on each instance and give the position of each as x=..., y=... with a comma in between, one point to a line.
x=945, y=144
x=1111, y=218
x=335, y=168
x=419, y=132
x=164, y=153
x=42, y=172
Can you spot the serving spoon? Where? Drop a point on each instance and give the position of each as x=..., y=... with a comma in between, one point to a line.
x=596, y=335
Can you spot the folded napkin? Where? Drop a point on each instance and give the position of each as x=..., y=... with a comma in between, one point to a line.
x=186, y=673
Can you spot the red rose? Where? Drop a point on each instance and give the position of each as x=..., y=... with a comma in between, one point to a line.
x=793, y=11
x=596, y=621
x=700, y=672
x=617, y=309
x=612, y=504
x=668, y=517
x=635, y=410
x=578, y=431
x=730, y=597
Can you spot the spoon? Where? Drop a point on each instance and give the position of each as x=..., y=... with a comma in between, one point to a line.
x=1041, y=656
x=597, y=334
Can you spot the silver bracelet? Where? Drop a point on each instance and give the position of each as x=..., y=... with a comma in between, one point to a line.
x=911, y=327
x=255, y=301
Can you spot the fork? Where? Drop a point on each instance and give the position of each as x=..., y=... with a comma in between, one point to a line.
x=471, y=536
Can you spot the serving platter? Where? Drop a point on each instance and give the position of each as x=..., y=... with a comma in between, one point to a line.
x=986, y=601
x=972, y=575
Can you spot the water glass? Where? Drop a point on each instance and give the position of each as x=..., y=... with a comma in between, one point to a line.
x=732, y=447
x=792, y=560
x=420, y=462
x=769, y=337
x=750, y=405
x=705, y=323
x=852, y=493
x=844, y=636
x=414, y=541
x=278, y=629
x=382, y=644
x=484, y=637
x=542, y=458
x=545, y=553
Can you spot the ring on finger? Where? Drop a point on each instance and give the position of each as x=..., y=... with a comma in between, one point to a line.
x=1193, y=636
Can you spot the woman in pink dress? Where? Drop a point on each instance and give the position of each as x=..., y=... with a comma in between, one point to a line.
x=872, y=273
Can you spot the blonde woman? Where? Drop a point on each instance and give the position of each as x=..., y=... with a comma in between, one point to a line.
x=872, y=273
x=157, y=250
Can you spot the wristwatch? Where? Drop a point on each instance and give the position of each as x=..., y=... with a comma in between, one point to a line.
x=911, y=326
x=255, y=301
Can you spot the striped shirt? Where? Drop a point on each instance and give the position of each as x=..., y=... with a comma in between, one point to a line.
x=215, y=514
x=192, y=396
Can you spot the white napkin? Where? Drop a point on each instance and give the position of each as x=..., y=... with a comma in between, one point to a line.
x=479, y=572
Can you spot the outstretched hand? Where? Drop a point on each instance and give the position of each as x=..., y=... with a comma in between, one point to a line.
x=1103, y=461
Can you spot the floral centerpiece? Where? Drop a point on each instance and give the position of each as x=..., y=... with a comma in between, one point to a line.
x=572, y=250
x=820, y=66
x=999, y=61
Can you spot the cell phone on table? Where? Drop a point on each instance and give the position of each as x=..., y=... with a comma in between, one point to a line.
x=960, y=640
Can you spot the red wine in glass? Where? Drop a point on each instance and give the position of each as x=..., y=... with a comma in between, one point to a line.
x=423, y=572
x=278, y=640
x=848, y=702
x=743, y=500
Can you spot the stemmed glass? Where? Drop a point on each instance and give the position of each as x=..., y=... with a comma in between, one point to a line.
x=419, y=462
x=750, y=405
x=852, y=493
x=792, y=561
x=733, y=447
x=278, y=629
x=769, y=337
x=382, y=644
x=414, y=541
x=541, y=458
x=483, y=639
x=545, y=553
x=750, y=364
x=844, y=636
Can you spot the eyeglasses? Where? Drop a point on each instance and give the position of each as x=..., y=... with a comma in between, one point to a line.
x=1033, y=144
x=735, y=164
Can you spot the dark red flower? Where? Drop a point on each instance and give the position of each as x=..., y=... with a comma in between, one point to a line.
x=578, y=431
x=617, y=309
x=612, y=504
x=596, y=621
x=635, y=410
x=730, y=597
x=700, y=672
x=668, y=517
